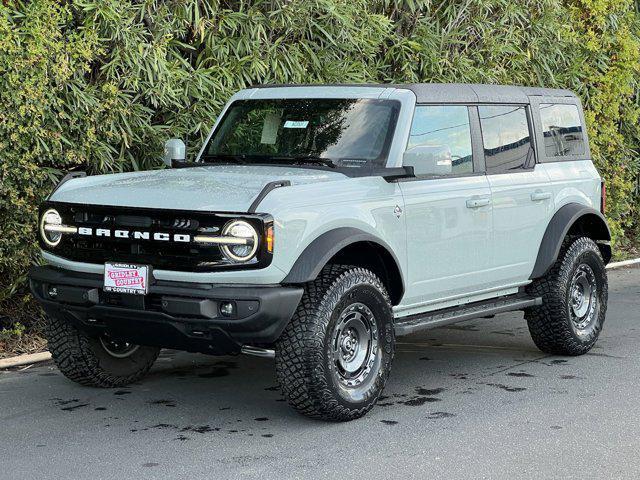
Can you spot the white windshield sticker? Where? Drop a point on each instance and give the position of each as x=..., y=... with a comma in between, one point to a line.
x=296, y=124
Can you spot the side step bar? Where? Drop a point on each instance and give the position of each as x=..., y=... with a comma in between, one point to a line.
x=438, y=318
x=257, y=351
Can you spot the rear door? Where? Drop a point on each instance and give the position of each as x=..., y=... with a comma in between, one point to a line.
x=448, y=216
x=521, y=193
x=564, y=150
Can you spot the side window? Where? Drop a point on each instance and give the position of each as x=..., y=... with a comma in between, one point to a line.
x=445, y=133
x=562, y=130
x=506, y=138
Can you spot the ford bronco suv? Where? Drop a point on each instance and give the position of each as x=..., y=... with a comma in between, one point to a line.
x=318, y=223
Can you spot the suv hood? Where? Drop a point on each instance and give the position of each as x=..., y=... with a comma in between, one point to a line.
x=223, y=188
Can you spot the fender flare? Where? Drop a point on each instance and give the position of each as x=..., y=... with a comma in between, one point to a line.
x=557, y=230
x=318, y=253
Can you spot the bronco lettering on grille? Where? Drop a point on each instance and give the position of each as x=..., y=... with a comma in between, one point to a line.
x=135, y=234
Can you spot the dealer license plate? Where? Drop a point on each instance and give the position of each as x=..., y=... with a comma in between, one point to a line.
x=126, y=278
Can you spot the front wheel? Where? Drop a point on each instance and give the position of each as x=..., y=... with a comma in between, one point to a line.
x=574, y=295
x=96, y=362
x=334, y=357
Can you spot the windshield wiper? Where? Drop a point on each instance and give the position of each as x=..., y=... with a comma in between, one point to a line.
x=239, y=159
x=301, y=159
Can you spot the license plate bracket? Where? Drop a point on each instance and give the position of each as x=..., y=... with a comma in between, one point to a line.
x=128, y=278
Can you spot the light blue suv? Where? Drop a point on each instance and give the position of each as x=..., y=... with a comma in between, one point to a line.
x=318, y=223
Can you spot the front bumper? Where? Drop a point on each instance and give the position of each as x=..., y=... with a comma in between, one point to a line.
x=180, y=315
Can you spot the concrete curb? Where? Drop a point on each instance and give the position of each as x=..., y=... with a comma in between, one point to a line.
x=624, y=263
x=44, y=356
x=24, y=360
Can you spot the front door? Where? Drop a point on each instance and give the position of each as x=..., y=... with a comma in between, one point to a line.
x=448, y=216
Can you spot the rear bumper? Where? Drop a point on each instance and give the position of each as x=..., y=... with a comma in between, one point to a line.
x=184, y=316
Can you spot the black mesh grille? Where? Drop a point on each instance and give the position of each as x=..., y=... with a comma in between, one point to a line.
x=170, y=255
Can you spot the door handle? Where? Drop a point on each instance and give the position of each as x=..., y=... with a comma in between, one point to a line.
x=539, y=195
x=478, y=202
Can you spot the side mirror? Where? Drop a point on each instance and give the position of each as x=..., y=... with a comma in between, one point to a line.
x=174, y=150
x=428, y=160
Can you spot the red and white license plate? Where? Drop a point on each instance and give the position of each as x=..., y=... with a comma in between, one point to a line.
x=126, y=278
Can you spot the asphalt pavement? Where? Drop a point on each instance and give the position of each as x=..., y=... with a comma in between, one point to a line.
x=472, y=400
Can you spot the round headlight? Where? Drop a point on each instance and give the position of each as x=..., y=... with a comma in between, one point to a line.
x=241, y=230
x=50, y=217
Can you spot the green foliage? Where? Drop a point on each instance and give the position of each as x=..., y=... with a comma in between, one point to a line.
x=11, y=333
x=99, y=85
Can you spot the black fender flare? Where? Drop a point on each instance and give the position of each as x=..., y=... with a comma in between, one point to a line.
x=318, y=253
x=557, y=230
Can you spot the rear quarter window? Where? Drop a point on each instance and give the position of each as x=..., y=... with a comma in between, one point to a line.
x=562, y=130
x=506, y=138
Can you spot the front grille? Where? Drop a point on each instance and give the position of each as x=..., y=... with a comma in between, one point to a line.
x=170, y=255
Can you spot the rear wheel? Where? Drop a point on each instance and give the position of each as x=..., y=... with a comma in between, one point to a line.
x=97, y=362
x=574, y=294
x=334, y=357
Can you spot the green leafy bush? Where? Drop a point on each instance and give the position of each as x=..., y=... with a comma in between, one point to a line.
x=99, y=85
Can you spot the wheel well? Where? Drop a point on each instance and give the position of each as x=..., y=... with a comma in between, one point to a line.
x=592, y=226
x=376, y=258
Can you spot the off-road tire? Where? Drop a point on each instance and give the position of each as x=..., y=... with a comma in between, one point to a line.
x=84, y=360
x=304, y=366
x=550, y=324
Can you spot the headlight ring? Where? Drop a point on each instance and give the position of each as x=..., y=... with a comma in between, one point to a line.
x=50, y=218
x=244, y=230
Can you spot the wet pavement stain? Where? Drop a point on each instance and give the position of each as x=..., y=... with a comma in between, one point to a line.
x=163, y=426
x=200, y=429
x=166, y=403
x=439, y=415
x=60, y=401
x=506, y=388
x=416, y=402
x=429, y=392
x=75, y=407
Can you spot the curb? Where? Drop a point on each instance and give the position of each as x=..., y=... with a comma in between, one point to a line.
x=624, y=263
x=44, y=356
x=21, y=360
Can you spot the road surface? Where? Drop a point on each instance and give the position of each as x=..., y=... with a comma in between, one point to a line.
x=473, y=400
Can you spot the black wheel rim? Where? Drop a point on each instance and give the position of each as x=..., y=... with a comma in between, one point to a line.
x=583, y=298
x=118, y=348
x=354, y=345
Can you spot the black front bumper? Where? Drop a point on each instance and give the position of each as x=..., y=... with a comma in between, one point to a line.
x=180, y=315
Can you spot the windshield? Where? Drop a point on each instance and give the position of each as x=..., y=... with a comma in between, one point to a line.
x=331, y=132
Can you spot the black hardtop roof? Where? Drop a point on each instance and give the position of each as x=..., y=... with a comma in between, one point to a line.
x=453, y=92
